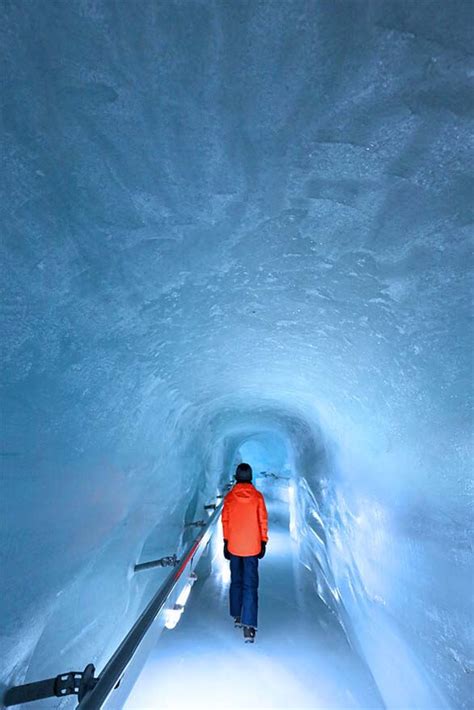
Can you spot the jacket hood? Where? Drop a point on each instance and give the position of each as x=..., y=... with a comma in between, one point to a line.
x=244, y=492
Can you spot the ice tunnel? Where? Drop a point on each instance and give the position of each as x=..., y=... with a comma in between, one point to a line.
x=239, y=231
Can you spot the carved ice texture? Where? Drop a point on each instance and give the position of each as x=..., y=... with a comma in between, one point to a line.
x=238, y=227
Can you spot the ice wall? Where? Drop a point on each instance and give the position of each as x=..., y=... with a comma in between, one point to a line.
x=222, y=219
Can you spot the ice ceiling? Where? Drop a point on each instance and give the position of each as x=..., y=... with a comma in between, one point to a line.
x=225, y=219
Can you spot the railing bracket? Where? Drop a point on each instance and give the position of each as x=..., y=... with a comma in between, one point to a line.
x=169, y=561
x=196, y=524
x=275, y=476
x=71, y=683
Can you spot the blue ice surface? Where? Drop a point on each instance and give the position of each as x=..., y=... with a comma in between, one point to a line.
x=227, y=225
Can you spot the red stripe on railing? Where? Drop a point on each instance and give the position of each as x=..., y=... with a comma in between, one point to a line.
x=187, y=558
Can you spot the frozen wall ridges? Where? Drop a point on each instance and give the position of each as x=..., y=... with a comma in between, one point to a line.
x=221, y=219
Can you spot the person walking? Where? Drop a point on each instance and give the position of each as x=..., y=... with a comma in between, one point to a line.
x=245, y=529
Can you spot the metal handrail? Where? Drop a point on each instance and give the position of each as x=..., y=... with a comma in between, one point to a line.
x=115, y=669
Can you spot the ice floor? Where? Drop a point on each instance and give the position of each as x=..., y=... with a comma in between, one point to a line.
x=301, y=658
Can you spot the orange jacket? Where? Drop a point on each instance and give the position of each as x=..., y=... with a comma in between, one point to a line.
x=244, y=520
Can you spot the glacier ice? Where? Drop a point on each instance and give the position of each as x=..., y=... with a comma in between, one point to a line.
x=238, y=229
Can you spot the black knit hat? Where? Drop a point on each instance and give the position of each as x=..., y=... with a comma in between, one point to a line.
x=243, y=473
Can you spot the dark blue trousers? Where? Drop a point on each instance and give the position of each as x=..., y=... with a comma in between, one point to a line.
x=243, y=595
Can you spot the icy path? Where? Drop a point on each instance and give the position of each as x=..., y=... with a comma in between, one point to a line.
x=301, y=658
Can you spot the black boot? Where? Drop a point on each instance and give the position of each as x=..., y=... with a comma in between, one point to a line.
x=237, y=622
x=249, y=634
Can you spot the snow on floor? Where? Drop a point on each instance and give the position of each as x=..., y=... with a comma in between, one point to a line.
x=301, y=658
